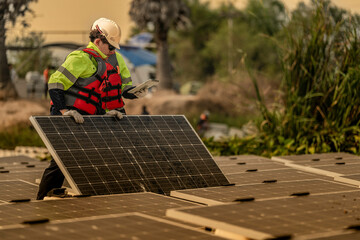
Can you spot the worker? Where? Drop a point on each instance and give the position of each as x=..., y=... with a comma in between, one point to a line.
x=48, y=71
x=91, y=81
x=144, y=111
x=203, y=123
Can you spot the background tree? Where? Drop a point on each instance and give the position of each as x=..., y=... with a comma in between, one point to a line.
x=10, y=10
x=187, y=46
x=33, y=57
x=160, y=15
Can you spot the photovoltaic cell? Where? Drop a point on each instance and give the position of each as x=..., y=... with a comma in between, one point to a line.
x=105, y=155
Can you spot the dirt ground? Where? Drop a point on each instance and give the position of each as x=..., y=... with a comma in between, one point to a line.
x=15, y=112
x=230, y=100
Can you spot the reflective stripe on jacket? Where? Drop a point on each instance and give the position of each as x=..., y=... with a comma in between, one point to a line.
x=80, y=69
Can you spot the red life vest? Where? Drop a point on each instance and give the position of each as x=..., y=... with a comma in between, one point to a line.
x=100, y=91
x=111, y=86
x=85, y=93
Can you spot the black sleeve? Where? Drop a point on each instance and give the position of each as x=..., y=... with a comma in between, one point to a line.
x=128, y=95
x=58, y=98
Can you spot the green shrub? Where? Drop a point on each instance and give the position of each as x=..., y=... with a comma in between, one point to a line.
x=320, y=107
x=20, y=135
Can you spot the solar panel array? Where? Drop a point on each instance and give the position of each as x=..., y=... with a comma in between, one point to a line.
x=19, y=176
x=148, y=203
x=268, y=203
x=299, y=216
x=105, y=155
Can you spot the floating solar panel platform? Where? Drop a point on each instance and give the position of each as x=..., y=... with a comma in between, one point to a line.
x=67, y=208
x=262, y=191
x=115, y=226
x=292, y=217
x=105, y=155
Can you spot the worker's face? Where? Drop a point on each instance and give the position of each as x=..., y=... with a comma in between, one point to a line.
x=105, y=48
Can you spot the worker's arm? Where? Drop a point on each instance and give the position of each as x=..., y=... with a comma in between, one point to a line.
x=77, y=64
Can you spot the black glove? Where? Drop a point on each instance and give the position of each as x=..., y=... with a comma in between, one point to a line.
x=128, y=95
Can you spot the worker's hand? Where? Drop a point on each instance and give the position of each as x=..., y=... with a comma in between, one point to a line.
x=75, y=114
x=141, y=93
x=115, y=113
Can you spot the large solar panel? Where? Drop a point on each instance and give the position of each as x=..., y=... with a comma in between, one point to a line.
x=119, y=226
x=105, y=155
x=300, y=216
x=262, y=191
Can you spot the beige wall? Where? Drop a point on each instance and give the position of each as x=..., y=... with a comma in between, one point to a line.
x=78, y=15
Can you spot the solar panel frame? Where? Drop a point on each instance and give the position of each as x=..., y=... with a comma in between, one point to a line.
x=353, y=179
x=106, y=137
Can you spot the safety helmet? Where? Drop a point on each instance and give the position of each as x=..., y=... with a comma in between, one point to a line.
x=109, y=29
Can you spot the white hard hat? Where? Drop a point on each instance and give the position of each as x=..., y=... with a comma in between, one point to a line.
x=109, y=29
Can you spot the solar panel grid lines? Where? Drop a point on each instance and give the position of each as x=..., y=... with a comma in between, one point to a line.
x=261, y=191
x=134, y=154
x=300, y=216
x=115, y=226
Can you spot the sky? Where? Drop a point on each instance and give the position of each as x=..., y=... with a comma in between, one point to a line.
x=70, y=20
